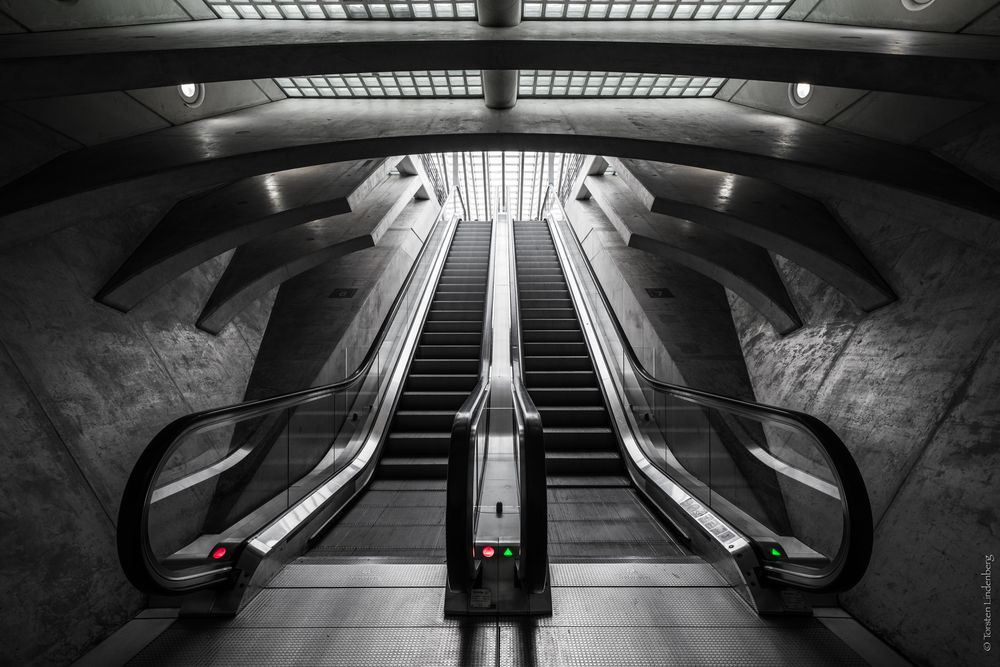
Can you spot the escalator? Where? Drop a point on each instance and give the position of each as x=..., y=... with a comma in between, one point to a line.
x=642, y=522
x=403, y=510
x=309, y=528
x=683, y=527
x=594, y=511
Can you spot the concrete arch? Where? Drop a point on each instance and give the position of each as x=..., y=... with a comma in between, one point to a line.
x=744, y=268
x=781, y=220
x=703, y=133
x=201, y=227
x=264, y=263
x=79, y=61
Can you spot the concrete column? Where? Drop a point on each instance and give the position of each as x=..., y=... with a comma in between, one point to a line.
x=499, y=85
x=499, y=13
x=500, y=88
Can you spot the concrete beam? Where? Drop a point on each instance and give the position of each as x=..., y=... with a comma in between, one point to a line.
x=201, y=227
x=262, y=264
x=768, y=215
x=742, y=267
x=707, y=133
x=81, y=61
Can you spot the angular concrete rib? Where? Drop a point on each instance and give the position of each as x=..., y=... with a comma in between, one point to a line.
x=81, y=61
x=201, y=227
x=707, y=133
x=744, y=268
x=781, y=220
x=258, y=266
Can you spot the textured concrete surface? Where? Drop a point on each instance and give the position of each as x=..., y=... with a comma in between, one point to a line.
x=911, y=390
x=314, y=338
x=199, y=228
x=959, y=66
x=86, y=388
x=742, y=267
x=294, y=133
x=946, y=16
x=41, y=16
x=762, y=213
x=63, y=587
x=28, y=144
x=687, y=339
x=260, y=265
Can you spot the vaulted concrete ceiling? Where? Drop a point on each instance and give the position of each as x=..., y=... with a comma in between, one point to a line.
x=746, y=178
x=82, y=61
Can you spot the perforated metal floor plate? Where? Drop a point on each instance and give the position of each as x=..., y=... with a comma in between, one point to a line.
x=376, y=540
x=359, y=575
x=188, y=644
x=635, y=574
x=343, y=608
x=684, y=647
x=649, y=607
x=410, y=484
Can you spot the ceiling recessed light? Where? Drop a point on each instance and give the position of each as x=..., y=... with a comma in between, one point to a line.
x=193, y=94
x=917, y=5
x=800, y=93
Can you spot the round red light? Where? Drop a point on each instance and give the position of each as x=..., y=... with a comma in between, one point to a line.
x=219, y=552
x=488, y=552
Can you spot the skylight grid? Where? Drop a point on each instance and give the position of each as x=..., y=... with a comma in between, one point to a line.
x=311, y=9
x=639, y=10
x=493, y=181
x=468, y=83
x=623, y=10
x=438, y=83
x=559, y=83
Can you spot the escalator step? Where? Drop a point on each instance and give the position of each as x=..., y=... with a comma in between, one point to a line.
x=432, y=400
x=567, y=396
x=440, y=382
x=583, y=463
x=418, y=443
x=574, y=415
x=417, y=467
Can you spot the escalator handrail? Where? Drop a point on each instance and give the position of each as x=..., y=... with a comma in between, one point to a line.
x=461, y=498
x=132, y=527
x=851, y=561
x=532, y=488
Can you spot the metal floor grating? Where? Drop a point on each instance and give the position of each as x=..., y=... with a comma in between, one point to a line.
x=187, y=643
x=605, y=523
x=649, y=608
x=305, y=574
x=529, y=645
x=393, y=518
x=635, y=575
x=344, y=608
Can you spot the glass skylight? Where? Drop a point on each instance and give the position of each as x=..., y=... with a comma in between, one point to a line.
x=468, y=83
x=466, y=10
x=492, y=181
x=548, y=83
x=451, y=83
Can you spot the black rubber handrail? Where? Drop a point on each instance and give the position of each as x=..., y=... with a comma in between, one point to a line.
x=531, y=459
x=851, y=561
x=134, y=550
x=460, y=496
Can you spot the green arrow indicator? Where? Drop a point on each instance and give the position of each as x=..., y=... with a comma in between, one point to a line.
x=775, y=552
x=508, y=552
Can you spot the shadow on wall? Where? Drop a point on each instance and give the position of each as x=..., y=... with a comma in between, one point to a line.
x=911, y=389
x=85, y=389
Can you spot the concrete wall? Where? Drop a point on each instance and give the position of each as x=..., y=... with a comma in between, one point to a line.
x=85, y=389
x=911, y=388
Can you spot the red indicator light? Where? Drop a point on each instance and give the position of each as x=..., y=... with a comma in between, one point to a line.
x=488, y=552
x=219, y=552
